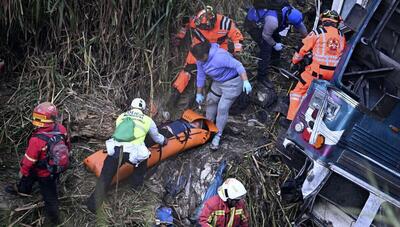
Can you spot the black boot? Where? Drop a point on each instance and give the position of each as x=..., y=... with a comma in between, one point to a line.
x=13, y=190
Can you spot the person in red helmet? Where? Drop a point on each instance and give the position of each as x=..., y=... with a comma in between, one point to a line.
x=209, y=26
x=38, y=165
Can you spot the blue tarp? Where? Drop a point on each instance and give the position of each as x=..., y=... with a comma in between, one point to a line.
x=212, y=188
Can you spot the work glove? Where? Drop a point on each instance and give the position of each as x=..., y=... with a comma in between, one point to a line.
x=278, y=46
x=247, y=87
x=199, y=98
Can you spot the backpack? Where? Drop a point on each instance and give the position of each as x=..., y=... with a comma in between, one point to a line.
x=125, y=131
x=57, y=152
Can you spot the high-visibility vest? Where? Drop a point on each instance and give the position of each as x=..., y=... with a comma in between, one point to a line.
x=327, y=44
x=142, y=124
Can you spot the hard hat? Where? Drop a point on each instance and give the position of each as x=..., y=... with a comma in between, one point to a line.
x=330, y=15
x=231, y=189
x=138, y=103
x=206, y=18
x=44, y=115
x=293, y=15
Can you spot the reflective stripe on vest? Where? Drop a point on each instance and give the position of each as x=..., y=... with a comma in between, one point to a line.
x=321, y=52
x=142, y=125
x=232, y=217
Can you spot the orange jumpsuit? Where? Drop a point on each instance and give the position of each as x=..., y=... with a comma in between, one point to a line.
x=327, y=44
x=224, y=28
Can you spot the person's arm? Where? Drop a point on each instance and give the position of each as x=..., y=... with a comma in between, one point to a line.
x=270, y=25
x=155, y=135
x=201, y=76
x=308, y=44
x=31, y=156
x=301, y=28
x=206, y=216
x=236, y=37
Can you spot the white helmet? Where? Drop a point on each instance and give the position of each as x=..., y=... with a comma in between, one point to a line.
x=138, y=103
x=231, y=189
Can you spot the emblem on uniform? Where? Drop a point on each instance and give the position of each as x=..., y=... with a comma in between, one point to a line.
x=333, y=45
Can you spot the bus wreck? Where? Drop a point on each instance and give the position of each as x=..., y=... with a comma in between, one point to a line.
x=345, y=139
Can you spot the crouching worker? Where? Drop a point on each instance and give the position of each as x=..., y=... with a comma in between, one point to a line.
x=327, y=44
x=229, y=80
x=127, y=141
x=47, y=155
x=227, y=208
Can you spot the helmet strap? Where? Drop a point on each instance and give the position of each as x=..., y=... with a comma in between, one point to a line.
x=226, y=193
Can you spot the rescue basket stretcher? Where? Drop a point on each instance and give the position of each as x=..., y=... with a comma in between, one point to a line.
x=177, y=144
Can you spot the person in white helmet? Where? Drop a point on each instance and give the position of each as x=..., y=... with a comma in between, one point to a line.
x=128, y=141
x=227, y=208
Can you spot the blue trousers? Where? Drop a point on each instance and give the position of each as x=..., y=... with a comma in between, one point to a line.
x=267, y=55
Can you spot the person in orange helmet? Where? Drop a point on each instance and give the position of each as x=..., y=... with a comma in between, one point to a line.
x=209, y=26
x=327, y=44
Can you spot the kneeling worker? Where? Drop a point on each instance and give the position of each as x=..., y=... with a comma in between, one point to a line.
x=128, y=140
x=227, y=208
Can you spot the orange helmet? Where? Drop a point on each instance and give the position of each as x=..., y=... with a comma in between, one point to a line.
x=330, y=15
x=44, y=115
x=205, y=19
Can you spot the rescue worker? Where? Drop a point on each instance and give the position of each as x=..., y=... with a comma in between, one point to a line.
x=229, y=80
x=227, y=208
x=33, y=167
x=327, y=44
x=134, y=152
x=209, y=26
x=268, y=25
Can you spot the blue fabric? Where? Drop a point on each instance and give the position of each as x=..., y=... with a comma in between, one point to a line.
x=220, y=66
x=164, y=214
x=295, y=17
x=179, y=126
x=265, y=54
x=212, y=188
x=283, y=23
x=256, y=15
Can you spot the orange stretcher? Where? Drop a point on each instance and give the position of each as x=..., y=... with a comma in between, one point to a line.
x=176, y=144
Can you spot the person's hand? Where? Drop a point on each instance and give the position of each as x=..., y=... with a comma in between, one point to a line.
x=199, y=98
x=278, y=46
x=20, y=175
x=247, y=86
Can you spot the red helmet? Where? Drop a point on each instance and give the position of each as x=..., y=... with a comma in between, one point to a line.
x=205, y=19
x=44, y=115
